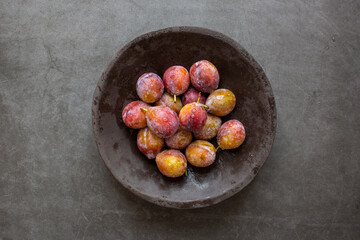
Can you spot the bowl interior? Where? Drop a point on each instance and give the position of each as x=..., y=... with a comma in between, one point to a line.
x=155, y=52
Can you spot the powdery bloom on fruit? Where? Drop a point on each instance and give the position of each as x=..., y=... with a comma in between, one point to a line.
x=210, y=129
x=200, y=153
x=192, y=117
x=231, y=134
x=204, y=76
x=133, y=116
x=149, y=87
x=163, y=121
x=180, y=140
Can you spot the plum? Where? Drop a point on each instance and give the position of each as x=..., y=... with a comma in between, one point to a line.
x=221, y=102
x=192, y=117
x=149, y=87
x=210, y=129
x=171, y=163
x=133, y=116
x=168, y=101
x=192, y=95
x=163, y=121
x=180, y=140
x=149, y=143
x=176, y=80
x=231, y=135
x=204, y=76
x=200, y=153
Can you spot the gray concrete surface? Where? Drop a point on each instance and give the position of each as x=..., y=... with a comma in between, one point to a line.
x=53, y=183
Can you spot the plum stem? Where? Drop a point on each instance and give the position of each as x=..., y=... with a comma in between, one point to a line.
x=217, y=148
x=174, y=98
x=204, y=106
x=186, y=173
x=144, y=109
x=199, y=98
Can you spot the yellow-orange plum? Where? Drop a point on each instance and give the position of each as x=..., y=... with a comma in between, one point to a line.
x=149, y=143
x=200, y=153
x=171, y=163
x=168, y=101
x=210, y=129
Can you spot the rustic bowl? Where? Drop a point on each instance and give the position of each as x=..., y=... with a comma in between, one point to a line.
x=155, y=52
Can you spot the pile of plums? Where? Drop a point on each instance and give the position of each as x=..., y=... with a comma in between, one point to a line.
x=174, y=121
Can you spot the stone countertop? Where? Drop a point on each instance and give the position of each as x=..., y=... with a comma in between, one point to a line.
x=53, y=182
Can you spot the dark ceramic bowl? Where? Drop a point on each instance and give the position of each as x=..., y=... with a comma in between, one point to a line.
x=155, y=52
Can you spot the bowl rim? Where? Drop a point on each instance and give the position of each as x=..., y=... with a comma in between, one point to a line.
x=197, y=203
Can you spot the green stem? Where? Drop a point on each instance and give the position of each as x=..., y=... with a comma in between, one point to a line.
x=199, y=97
x=217, y=148
x=186, y=173
x=144, y=109
x=204, y=106
x=174, y=98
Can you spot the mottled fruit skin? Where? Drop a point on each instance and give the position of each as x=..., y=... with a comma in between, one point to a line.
x=192, y=117
x=180, y=140
x=163, y=121
x=176, y=80
x=168, y=101
x=133, y=116
x=200, y=153
x=210, y=129
x=204, y=76
x=171, y=163
x=192, y=95
x=231, y=135
x=149, y=87
x=221, y=102
x=149, y=143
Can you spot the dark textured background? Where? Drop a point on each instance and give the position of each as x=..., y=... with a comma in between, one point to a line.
x=53, y=183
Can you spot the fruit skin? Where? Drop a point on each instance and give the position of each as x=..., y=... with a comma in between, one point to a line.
x=180, y=140
x=149, y=143
x=192, y=117
x=204, y=76
x=133, y=116
x=149, y=87
x=163, y=121
x=168, y=101
x=221, y=102
x=200, y=153
x=231, y=135
x=176, y=80
x=210, y=129
x=171, y=163
x=192, y=95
